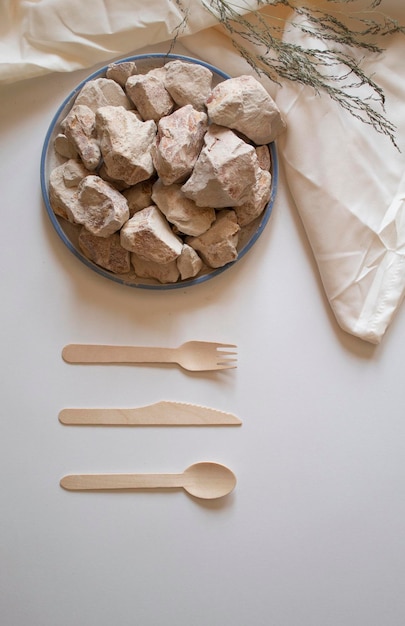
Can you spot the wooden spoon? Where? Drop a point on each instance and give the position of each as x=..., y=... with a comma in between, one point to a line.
x=203, y=480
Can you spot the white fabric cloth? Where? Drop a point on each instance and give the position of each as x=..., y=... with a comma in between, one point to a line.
x=348, y=182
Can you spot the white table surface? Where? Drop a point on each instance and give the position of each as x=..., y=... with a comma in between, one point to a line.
x=313, y=534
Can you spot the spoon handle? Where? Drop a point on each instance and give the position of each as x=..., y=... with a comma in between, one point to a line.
x=86, y=482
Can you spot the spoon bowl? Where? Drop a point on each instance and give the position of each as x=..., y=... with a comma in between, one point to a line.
x=204, y=480
x=208, y=480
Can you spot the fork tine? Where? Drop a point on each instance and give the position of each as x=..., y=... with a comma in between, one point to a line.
x=226, y=362
x=224, y=366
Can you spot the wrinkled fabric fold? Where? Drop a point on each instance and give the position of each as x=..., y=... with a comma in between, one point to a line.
x=64, y=35
x=348, y=184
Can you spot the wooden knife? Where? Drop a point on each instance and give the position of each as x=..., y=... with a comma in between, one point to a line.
x=164, y=413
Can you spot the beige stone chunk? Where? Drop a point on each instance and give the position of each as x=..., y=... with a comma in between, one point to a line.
x=181, y=211
x=218, y=245
x=104, y=209
x=189, y=263
x=188, y=83
x=149, y=235
x=120, y=72
x=159, y=72
x=73, y=172
x=224, y=172
x=79, y=128
x=125, y=144
x=64, y=147
x=264, y=157
x=179, y=141
x=139, y=196
x=102, y=92
x=162, y=272
x=105, y=251
x=150, y=96
x=249, y=211
x=63, y=193
x=243, y=104
x=120, y=185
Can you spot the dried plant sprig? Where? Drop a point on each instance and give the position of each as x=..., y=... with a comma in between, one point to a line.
x=330, y=62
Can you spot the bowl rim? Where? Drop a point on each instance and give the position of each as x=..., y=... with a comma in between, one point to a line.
x=98, y=269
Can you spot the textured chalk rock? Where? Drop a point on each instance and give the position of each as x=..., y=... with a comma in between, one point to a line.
x=149, y=95
x=139, y=196
x=225, y=171
x=181, y=211
x=64, y=147
x=80, y=130
x=188, y=83
x=163, y=272
x=218, y=245
x=188, y=263
x=125, y=144
x=159, y=72
x=105, y=251
x=263, y=157
x=104, y=209
x=63, y=192
x=148, y=234
x=73, y=172
x=179, y=141
x=243, y=104
x=120, y=72
x=260, y=196
x=102, y=92
x=118, y=184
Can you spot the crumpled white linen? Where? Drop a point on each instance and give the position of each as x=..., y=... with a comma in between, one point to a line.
x=39, y=36
x=348, y=182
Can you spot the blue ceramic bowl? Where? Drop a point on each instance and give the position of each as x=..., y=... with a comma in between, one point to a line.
x=68, y=232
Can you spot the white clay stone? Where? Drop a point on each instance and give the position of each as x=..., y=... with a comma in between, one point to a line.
x=64, y=147
x=149, y=95
x=63, y=194
x=179, y=141
x=149, y=235
x=120, y=72
x=118, y=184
x=188, y=83
x=139, y=196
x=189, y=263
x=243, y=104
x=105, y=251
x=263, y=157
x=103, y=209
x=218, y=245
x=162, y=272
x=255, y=206
x=225, y=171
x=102, y=92
x=181, y=211
x=80, y=130
x=125, y=144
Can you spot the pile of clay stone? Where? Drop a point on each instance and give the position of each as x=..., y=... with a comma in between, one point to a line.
x=162, y=170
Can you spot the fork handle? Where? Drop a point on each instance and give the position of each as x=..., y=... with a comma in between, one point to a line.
x=86, y=353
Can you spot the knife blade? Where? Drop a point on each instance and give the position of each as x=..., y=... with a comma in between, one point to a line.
x=164, y=413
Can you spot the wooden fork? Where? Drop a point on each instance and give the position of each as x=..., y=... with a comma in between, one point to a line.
x=195, y=356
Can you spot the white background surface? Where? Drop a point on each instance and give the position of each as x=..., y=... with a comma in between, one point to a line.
x=313, y=535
